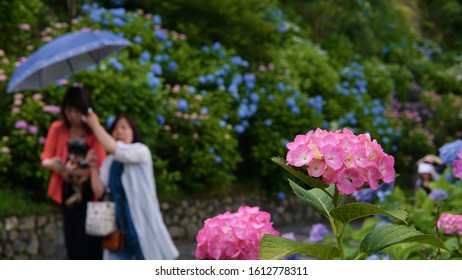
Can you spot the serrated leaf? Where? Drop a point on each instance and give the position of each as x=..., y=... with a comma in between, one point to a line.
x=352, y=211
x=275, y=248
x=387, y=235
x=315, y=198
x=310, y=181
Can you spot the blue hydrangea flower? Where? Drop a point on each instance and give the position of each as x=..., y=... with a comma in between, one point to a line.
x=158, y=58
x=317, y=233
x=220, y=81
x=383, y=223
x=153, y=81
x=365, y=195
x=218, y=159
x=379, y=256
x=172, y=66
x=204, y=110
x=160, y=119
x=191, y=90
x=216, y=46
x=138, y=40
x=156, y=69
x=268, y=122
x=109, y=121
x=448, y=152
x=118, y=22
x=183, y=105
x=157, y=20
x=145, y=56
x=281, y=196
x=295, y=110
x=282, y=27
x=291, y=102
x=160, y=35
x=239, y=128
x=439, y=195
x=116, y=64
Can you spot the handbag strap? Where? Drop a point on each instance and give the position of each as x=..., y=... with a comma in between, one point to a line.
x=108, y=197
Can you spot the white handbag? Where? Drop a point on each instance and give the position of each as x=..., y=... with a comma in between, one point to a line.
x=101, y=218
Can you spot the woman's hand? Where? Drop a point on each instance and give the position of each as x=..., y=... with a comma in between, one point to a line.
x=54, y=164
x=92, y=159
x=91, y=119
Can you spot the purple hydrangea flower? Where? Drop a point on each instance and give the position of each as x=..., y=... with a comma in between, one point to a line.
x=438, y=195
x=21, y=124
x=317, y=233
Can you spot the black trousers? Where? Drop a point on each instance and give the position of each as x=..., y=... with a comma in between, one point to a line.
x=79, y=245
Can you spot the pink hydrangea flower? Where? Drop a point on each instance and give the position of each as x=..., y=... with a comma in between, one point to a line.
x=340, y=157
x=32, y=129
x=21, y=124
x=24, y=26
x=52, y=109
x=5, y=150
x=451, y=223
x=234, y=236
x=457, y=165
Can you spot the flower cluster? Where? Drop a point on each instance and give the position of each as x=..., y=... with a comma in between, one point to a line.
x=342, y=158
x=457, y=165
x=234, y=236
x=451, y=223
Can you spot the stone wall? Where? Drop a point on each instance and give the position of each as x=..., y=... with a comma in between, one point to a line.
x=41, y=237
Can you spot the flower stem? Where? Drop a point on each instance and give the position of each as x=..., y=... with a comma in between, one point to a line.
x=360, y=256
x=337, y=227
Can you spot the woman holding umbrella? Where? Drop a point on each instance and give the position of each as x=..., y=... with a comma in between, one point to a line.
x=66, y=146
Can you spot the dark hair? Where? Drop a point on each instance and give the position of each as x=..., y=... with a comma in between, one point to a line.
x=136, y=131
x=79, y=98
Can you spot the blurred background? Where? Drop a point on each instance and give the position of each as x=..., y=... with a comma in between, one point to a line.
x=219, y=87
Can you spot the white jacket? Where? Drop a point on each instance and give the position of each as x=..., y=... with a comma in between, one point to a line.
x=139, y=186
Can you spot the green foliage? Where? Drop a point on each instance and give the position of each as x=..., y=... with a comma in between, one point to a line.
x=298, y=56
x=387, y=235
x=446, y=123
x=16, y=202
x=34, y=13
x=440, y=19
x=367, y=25
x=316, y=198
x=247, y=25
x=309, y=66
x=352, y=211
x=275, y=248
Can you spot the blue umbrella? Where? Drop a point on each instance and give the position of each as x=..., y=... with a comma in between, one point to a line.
x=63, y=56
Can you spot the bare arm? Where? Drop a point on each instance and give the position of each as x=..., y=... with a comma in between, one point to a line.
x=96, y=184
x=108, y=142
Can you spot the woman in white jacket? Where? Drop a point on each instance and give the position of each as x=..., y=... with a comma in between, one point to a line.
x=128, y=173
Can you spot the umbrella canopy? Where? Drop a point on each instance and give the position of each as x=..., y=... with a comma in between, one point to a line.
x=63, y=56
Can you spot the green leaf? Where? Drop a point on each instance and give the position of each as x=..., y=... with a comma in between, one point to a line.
x=315, y=198
x=356, y=210
x=275, y=248
x=384, y=236
x=310, y=181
